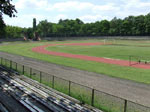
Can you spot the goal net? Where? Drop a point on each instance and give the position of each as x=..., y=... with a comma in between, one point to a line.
x=133, y=60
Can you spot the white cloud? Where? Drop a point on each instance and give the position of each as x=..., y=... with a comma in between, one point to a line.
x=107, y=7
x=135, y=4
x=70, y=5
x=22, y=4
x=80, y=6
x=61, y=16
x=24, y=20
x=71, y=9
x=91, y=18
x=56, y=18
x=133, y=7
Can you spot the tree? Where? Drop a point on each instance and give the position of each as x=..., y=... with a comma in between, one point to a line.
x=140, y=26
x=105, y=25
x=8, y=9
x=34, y=24
x=147, y=24
x=13, y=32
x=44, y=28
x=2, y=26
x=115, y=26
x=125, y=29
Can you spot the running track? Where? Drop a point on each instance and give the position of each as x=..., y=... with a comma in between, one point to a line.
x=41, y=49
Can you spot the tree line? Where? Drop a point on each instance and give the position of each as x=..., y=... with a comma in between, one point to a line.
x=129, y=26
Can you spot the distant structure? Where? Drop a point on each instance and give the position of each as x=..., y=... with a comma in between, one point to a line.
x=36, y=36
x=31, y=33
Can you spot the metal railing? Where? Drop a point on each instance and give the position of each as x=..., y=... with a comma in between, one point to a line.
x=91, y=96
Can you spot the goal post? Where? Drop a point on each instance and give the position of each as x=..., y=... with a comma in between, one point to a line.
x=109, y=41
x=133, y=60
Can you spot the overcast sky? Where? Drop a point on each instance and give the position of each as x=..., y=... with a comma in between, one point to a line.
x=86, y=10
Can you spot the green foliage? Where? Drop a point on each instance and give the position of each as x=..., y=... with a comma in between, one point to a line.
x=34, y=24
x=8, y=9
x=2, y=26
x=129, y=26
x=13, y=32
x=28, y=32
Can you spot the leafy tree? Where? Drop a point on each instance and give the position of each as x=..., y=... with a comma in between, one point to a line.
x=13, y=32
x=129, y=26
x=147, y=24
x=125, y=29
x=44, y=28
x=115, y=26
x=34, y=24
x=8, y=9
x=2, y=26
x=29, y=32
x=105, y=27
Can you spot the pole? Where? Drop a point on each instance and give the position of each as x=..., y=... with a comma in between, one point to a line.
x=5, y=63
x=53, y=82
x=1, y=60
x=30, y=72
x=125, y=106
x=69, y=88
x=16, y=66
x=92, y=101
x=40, y=77
x=23, y=69
x=10, y=64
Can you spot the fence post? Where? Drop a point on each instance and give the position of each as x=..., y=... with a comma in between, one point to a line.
x=1, y=60
x=5, y=63
x=69, y=88
x=23, y=69
x=125, y=105
x=40, y=77
x=92, y=101
x=16, y=66
x=30, y=72
x=10, y=64
x=53, y=82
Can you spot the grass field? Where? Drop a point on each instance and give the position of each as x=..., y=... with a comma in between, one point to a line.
x=120, y=49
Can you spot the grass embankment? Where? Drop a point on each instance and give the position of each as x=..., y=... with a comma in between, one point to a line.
x=110, y=51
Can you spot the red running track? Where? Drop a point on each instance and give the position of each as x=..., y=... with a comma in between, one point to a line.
x=41, y=49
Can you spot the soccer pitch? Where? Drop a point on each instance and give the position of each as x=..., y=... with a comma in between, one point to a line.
x=113, y=49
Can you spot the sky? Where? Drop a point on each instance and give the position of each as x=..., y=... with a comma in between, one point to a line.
x=86, y=10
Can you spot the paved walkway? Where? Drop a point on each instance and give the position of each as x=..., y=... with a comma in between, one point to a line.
x=130, y=90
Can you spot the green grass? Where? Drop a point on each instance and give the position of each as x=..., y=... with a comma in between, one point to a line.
x=114, y=51
x=109, y=51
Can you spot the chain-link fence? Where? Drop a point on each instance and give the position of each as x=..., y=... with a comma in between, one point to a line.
x=91, y=96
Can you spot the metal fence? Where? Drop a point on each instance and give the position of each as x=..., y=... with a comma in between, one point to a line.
x=91, y=96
